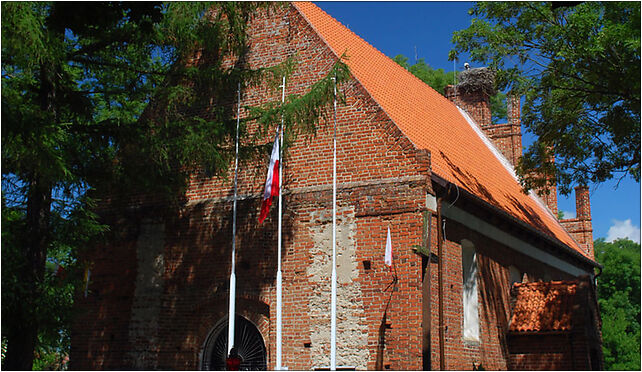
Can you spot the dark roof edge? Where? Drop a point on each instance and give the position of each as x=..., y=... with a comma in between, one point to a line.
x=553, y=241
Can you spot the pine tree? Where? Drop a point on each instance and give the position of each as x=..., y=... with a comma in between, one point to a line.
x=105, y=99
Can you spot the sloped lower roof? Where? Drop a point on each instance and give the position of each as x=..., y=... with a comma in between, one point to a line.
x=544, y=306
x=459, y=153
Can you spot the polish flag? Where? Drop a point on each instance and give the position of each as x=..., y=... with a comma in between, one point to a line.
x=388, y=257
x=272, y=181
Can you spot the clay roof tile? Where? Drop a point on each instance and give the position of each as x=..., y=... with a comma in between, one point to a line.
x=543, y=306
x=460, y=152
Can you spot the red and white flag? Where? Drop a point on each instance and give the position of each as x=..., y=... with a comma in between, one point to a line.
x=388, y=257
x=272, y=181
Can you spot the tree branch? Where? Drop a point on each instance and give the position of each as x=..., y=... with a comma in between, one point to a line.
x=117, y=65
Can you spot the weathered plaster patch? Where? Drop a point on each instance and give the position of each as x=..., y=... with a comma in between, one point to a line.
x=352, y=340
x=143, y=328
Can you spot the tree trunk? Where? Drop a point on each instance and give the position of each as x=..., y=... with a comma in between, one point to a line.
x=23, y=326
x=23, y=319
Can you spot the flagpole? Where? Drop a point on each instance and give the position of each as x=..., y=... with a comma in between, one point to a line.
x=232, y=311
x=279, y=277
x=333, y=330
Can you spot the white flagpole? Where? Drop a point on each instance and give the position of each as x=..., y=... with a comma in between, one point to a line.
x=279, y=278
x=333, y=330
x=232, y=311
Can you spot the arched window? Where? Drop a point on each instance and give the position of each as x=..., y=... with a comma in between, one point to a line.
x=249, y=344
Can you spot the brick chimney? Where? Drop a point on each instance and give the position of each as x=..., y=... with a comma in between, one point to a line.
x=514, y=110
x=581, y=227
x=551, y=198
x=508, y=137
x=473, y=95
x=582, y=202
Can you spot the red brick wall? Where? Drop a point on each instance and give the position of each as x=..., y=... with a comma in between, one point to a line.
x=541, y=352
x=494, y=260
x=100, y=334
x=561, y=351
x=382, y=182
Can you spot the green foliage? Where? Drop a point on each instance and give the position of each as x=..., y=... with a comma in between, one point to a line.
x=578, y=68
x=560, y=214
x=498, y=107
x=103, y=99
x=619, y=300
x=53, y=308
x=438, y=79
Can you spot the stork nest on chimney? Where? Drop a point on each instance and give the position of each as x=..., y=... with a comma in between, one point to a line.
x=476, y=79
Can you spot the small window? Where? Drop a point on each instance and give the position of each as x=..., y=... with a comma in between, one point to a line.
x=471, y=305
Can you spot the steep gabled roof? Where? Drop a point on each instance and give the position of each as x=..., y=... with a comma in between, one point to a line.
x=460, y=152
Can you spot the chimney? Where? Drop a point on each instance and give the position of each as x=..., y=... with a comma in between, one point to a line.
x=583, y=212
x=514, y=132
x=582, y=203
x=551, y=199
x=513, y=109
x=473, y=93
x=581, y=227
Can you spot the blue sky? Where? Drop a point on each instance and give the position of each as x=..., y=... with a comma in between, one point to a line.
x=427, y=27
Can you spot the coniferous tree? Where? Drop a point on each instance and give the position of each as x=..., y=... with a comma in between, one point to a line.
x=107, y=98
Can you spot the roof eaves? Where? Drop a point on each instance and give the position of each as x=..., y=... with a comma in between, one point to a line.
x=507, y=165
x=554, y=241
x=509, y=168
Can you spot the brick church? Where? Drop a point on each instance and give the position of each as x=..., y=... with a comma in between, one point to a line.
x=488, y=277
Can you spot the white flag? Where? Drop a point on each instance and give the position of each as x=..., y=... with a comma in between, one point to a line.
x=388, y=258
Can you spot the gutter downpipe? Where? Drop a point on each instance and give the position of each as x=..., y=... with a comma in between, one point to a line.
x=427, y=296
x=440, y=279
x=595, y=279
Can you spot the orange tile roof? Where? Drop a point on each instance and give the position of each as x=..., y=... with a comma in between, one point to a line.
x=543, y=306
x=459, y=153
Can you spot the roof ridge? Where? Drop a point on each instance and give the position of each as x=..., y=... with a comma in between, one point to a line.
x=505, y=162
x=430, y=121
x=364, y=86
x=358, y=37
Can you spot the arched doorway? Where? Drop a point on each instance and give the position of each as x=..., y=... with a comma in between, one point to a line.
x=248, y=340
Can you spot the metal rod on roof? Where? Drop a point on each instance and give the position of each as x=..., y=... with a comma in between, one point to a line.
x=232, y=309
x=454, y=73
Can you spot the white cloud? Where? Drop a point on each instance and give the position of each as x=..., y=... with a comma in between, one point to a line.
x=623, y=229
x=568, y=215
